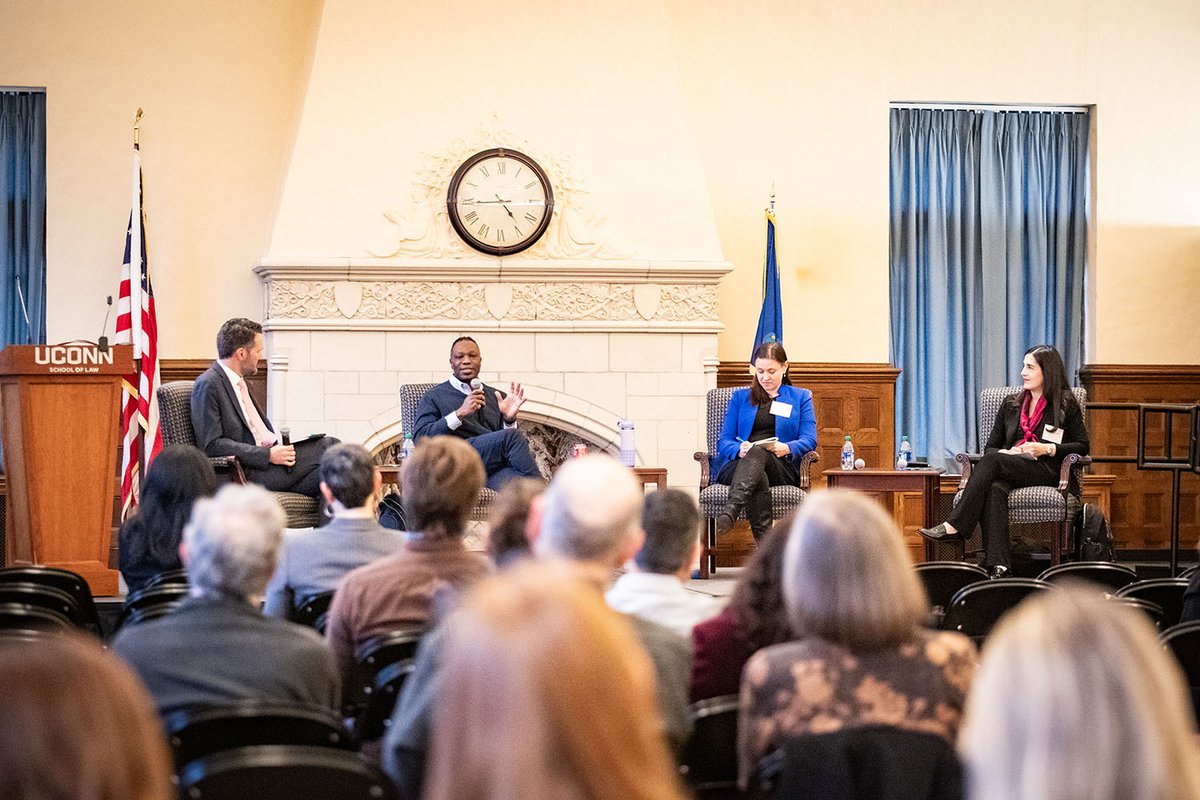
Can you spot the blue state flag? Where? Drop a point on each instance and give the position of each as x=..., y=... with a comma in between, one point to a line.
x=770, y=319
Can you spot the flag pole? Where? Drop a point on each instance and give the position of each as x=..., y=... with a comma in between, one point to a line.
x=139, y=438
x=137, y=129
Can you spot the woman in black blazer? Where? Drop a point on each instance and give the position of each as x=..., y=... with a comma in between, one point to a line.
x=1034, y=431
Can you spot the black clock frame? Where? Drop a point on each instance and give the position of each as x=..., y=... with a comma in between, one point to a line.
x=461, y=228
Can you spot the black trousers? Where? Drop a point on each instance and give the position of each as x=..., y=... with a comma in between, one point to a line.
x=750, y=479
x=984, y=501
x=301, y=478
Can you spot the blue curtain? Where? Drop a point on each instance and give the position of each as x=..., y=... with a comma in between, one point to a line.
x=23, y=234
x=988, y=253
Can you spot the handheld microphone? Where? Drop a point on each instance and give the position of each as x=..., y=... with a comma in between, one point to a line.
x=102, y=342
x=285, y=439
x=476, y=384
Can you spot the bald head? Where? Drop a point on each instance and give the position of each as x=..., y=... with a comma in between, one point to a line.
x=592, y=511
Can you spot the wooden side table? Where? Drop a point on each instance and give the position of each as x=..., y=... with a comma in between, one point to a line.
x=651, y=475
x=890, y=486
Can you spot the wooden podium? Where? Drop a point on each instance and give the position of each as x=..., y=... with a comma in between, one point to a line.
x=59, y=424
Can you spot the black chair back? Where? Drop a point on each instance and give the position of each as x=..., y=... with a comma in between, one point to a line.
x=62, y=579
x=25, y=617
x=1104, y=574
x=174, y=577
x=1166, y=592
x=880, y=762
x=371, y=657
x=43, y=596
x=708, y=762
x=197, y=733
x=1152, y=610
x=1183, y=640
x=151, y=602
x=313, y=611
x=975, y=609
x=372, y=722
x=283, y=772
x=942, y=580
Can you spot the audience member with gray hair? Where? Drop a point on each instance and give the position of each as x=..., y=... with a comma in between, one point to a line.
x=654, y=589
x=315, y=560
x=590, y=517
x=216, y=648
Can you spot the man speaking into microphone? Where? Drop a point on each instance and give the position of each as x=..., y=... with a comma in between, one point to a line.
x=485, y=417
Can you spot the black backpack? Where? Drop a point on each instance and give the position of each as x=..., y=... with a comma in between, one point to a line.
x=1094, y=536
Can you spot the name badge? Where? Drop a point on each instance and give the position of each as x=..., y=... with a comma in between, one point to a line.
x=781, y=409
x=1052, y=434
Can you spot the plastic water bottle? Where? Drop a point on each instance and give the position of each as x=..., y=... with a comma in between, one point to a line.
x=406, y=449
x=905, y=457
x=628, y=451
x=848, y=455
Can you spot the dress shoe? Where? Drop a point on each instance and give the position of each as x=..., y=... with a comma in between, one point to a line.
x=998, y=571
x=724, y=523
x=939, y=533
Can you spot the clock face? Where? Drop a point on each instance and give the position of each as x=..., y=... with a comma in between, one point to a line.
x=500, y=201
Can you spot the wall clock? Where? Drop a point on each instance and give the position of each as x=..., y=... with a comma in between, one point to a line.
x=500, y=201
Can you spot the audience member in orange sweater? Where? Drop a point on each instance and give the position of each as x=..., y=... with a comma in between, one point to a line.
x=546, y=693
x=77, y=725
x=1076, y=698
x=440, y=485
x=860, y=657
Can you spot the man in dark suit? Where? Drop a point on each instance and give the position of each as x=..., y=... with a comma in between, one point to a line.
x=227, y=421
x=485, y=417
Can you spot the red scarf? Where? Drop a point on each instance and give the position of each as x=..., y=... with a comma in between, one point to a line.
x=1029, y=422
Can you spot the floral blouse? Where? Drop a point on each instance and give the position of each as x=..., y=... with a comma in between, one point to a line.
x=814, y=686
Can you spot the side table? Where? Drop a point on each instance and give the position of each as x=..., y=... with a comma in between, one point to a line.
x=890, y=482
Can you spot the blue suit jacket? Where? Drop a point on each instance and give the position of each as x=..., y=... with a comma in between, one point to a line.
x=798, y=430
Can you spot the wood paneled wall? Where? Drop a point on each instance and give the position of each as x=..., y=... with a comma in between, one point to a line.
x=1141, y=500
x=850, y=398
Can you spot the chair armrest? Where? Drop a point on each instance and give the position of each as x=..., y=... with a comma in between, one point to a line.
x=703, y=458
x=967, y=460
x=807, y=461
x=230, y=465
x=1064, y=469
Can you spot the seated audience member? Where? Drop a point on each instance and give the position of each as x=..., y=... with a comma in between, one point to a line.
x=483, y=416
x=227, y=421
x=1191, y=598
x=860, y=656
x=508, y=535
x=655, y=591
x=589, y=518
x=520, y=667
x=217, y=648
x=149, y=540
x=440, y=484
x=1075, y=698
x=77, y=725
x=314, y=561
x=754, y=618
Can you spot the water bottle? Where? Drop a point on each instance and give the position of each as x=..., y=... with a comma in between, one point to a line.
x=905, y=457
x=628, y=451
x=848, y=455
x=406, y=449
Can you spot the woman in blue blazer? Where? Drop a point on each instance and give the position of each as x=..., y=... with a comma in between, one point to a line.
x=770, y=408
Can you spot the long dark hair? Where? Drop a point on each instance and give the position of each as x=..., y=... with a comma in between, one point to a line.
x=757, y=601
x=1055, y=386
x=178, y=477
x=775, y=352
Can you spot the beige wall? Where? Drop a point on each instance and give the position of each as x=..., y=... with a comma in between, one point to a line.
x=791, y=95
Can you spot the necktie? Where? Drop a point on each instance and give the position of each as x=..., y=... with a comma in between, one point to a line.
x=262, y=434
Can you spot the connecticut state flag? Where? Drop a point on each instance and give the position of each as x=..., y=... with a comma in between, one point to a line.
x=770, y=319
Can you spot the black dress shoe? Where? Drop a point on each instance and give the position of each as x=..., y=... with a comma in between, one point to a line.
x=998, y=571
x=939, y=533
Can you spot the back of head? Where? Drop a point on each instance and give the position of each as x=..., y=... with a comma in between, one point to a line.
x=507, y=537
x=440, y=484
x=232, y=540
x=847, y=578
x=520, y=667
x=757, y=600
x=671, y=521
x=76, y=723
x=1075, y=698
x=591, y=511
x=349, y=472
x=235, y=333
x=178, y=477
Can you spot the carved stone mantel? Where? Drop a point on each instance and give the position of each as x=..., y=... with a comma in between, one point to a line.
x=491, y=294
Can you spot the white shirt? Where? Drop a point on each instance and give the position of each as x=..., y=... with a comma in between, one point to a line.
x=452, y=420
x=662, y=599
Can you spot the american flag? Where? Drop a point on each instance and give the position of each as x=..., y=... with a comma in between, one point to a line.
x=137, y=325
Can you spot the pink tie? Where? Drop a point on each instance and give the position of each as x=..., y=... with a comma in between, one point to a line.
x=262, y=434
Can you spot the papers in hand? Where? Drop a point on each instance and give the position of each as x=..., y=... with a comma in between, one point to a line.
x=1020, y=453
x=765, y=442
